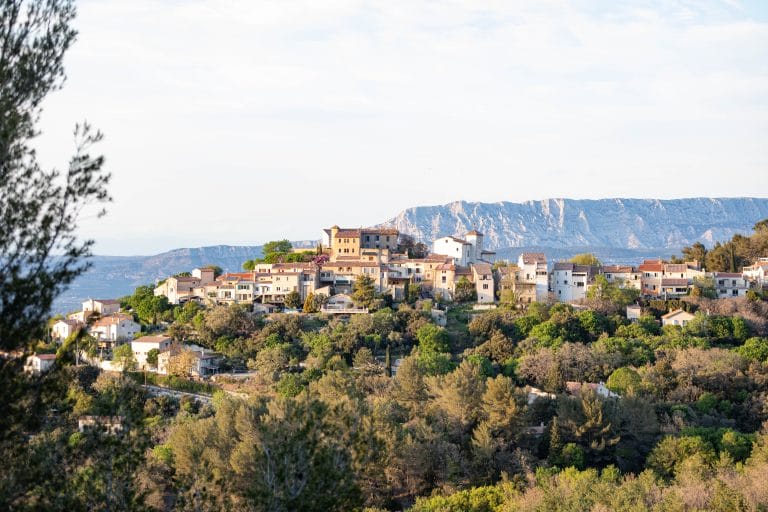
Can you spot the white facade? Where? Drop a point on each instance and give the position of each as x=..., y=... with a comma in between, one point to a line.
x=730, y=285
x=39, y=363
x=63, y=329
x=460, y=250
x=115, y=328
x=757, y=274
x=634, y=312
x=101, y=306
x=143, y=345
x=533, y=270
x=570, y=282
x=624, y=276
x=677, y=317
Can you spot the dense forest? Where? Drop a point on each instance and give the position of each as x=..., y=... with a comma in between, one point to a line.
x=322, y=426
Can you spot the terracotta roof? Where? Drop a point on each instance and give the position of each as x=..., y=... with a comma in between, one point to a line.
x=114, y=318
x=70, y=321
x=474, y=232
x=301, y=265
x=152, y=339
x=332, y=265
x=46, y=357
x=529, y=258
x=651, y=266
x=445, y=266
x=238, y=275
x=727, y=274
x=380, y=231
x=675, y=267
x=483, y=268
x=563, y=265
x=675, y=313
x=348, y=233
x=185, y=279
x=618, y=269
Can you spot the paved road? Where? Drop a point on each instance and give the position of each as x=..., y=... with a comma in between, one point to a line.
x=156, y=390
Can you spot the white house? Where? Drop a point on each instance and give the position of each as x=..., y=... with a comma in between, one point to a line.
x=574, y=388
x=341, y=303
x=203, y=361
x=570, y=282
x=101, y=306
x=111, y=424
x=677, y=317
x=533, y=270
x=464, y=251
x=623, y=275
x=114, y=328
x=757, y=274
x=460, y=250
x=39, y=363
x=634, y=312
x=730, y=284
x=63, y=329
x=142, y=346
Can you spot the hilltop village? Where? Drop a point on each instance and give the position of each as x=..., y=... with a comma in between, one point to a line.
x=455, y=270
x=390, y=268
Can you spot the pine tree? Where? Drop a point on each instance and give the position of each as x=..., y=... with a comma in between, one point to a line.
x=555, y=443
x=309, y=304
x=388, y=362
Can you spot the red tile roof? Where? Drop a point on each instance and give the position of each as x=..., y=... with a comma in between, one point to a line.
x=529, y=258
x=618, y=269
x=651, y=266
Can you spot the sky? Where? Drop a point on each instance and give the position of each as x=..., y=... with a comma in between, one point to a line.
x=238, y=122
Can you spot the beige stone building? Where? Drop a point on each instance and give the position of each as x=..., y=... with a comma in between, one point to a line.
x=368, y=244
x=510, y=280
x=482, y=277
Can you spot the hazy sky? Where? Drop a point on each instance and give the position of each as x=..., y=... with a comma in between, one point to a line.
x=237, y=122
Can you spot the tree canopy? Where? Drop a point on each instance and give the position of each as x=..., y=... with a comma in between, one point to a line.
x=39, y=209
x=585, y=259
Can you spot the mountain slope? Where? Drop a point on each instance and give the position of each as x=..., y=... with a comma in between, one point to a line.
x=610, y=223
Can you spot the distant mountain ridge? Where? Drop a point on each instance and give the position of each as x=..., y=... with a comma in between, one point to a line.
x=117, y=276
x=641, y=224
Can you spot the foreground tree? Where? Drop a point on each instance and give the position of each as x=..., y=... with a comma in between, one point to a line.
x=363, y=290
x=39, y=209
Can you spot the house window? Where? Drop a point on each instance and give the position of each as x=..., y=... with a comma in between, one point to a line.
x=485, y=286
